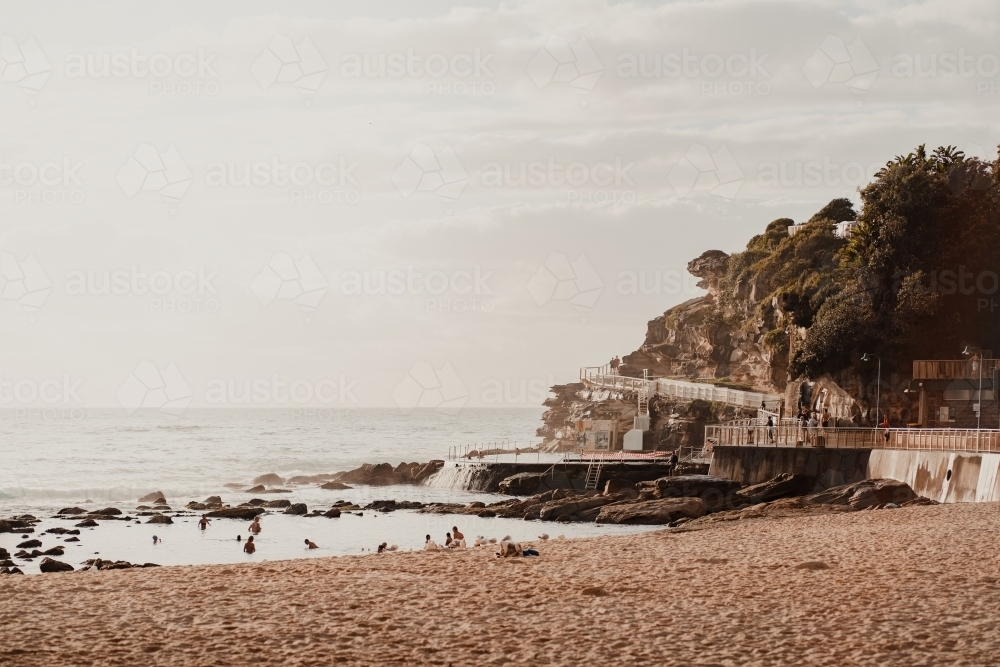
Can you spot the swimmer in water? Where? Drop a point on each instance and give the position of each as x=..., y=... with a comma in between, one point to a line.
x=255, y=526
x=249, y=547
x=311, y=545
x=203, y=522
x=156, y=540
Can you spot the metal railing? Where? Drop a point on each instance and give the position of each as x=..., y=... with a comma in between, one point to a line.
x=953, y=369
x=599, y=377
x=487, y=451
x=787, y=435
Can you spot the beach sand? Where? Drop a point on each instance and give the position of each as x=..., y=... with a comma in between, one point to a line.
x=915, y=586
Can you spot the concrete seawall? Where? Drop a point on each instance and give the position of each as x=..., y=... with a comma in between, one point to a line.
x=948, y=477
x=486, y=477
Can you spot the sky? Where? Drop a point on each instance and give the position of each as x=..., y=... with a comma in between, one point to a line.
x=424, y=204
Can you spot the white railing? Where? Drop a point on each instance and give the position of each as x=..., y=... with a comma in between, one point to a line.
x=600, y=377
x=492, y=451
x=751, y=434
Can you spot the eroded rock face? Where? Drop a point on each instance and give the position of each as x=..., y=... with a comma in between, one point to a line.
x=783, y=486
x=652, y=512
x=568, y=507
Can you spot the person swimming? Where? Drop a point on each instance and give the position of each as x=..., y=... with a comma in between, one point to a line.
x=249, y=547
x=156, y=540
x=255, y=526
x=239, y=538
x=203, y=522
x=311, y=545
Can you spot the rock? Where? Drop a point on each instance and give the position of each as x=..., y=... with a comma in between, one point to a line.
x=149, y=565
x=278, y=503
x=61, y=531
x=716, y=492
x=475, y=503
x=196, y=506
x=155, y=497
x=145, y=507
x=652, y=512
x=919, y=501
x=4, y=554
x=29, y=544
x=782, y=486
x=72, y=510
x=72, y=539
x=393, y=505
x=245, y=513
x=380, y=474
x=521, y=484
x=276, y=491
x=15, y=570
x=486, y=514
x=50, y=565
x=161, y=508
x=335, y=486
x=619, y=485
x=297, y=508
x=333, y=513
x=259, y=502
x=556, y=509
x=307, y=479
x=427, y=470
x=13, y=526
x=256, y=489
x=54, y=551
x=160, y=518
x=270, y=479
x=864, y=494
x=109, y=511
x=213, y=500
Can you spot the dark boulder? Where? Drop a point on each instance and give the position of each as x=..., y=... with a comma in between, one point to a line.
x=155, y=497
x=427, y=470
x=521, y=484
x=379, y=474
x=109, y=511
x=13, y=526
x=213, y=500
x=486, y=514
x=716, y=492
x=4, y=554
x=160, y=518
x=193, y=505
x=258, y=502
x=87, y=523
x=297, y=508
x=652, y=512
x=54, y=551
x=782, y=486
x=245, y=513
x=335, y=486
x=864, y=494
x=28, y=544
x=259, y=488
x=567, y=507
x=72, y=510
x=72, y=539
x=332, y=513
x=270, y=479
x=50, y=565
x=276, y=503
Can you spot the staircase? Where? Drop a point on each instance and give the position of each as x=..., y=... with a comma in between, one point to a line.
x=593, y=475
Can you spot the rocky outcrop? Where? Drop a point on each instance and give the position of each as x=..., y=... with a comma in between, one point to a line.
x=782, y=486
x=652, y=512
x=332, y=513
x=29, y=544
x=15, y=526
x=297, y=509
x=270, y=479
x=335, y=486
x=553, y=510
x=50, y=565
x=87, y=523
x=213, y=500
x=155, y=497
x=521, y=484
x=72, y=510
x=160, y=518
x=274, y=503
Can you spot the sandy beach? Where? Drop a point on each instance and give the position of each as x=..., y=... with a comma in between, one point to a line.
x=914, y=586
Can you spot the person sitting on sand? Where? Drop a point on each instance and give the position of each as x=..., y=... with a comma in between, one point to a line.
x=448, y=540
x=255, y=526
x=508, y=549
x=430, y=545
x=381, y=547
x=249, y=547
x=458, y=536
x=311, y=545
x=203, y=522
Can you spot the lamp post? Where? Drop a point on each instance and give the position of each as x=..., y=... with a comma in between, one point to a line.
x=969, y=349
x=878, y=387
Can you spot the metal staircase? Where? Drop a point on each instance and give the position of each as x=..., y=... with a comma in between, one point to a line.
x=593, y=474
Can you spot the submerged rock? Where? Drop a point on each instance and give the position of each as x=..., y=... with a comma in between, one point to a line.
x=259, y=488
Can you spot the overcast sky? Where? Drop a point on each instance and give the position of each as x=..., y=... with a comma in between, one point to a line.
x=419, y=203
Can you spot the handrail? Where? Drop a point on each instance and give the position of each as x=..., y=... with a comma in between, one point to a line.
x=678, y=389
x=924, y=439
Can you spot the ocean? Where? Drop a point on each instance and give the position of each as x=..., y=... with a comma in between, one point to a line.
x=50, y=460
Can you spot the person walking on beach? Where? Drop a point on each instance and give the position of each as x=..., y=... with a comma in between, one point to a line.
x=203, y=522
x=249, y=547
x=311, y=545
x=255, y=526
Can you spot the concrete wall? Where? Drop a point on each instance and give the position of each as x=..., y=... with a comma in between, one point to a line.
x=972, y=478
x=752, y=465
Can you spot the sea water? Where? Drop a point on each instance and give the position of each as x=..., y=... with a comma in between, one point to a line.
x=50, y=461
